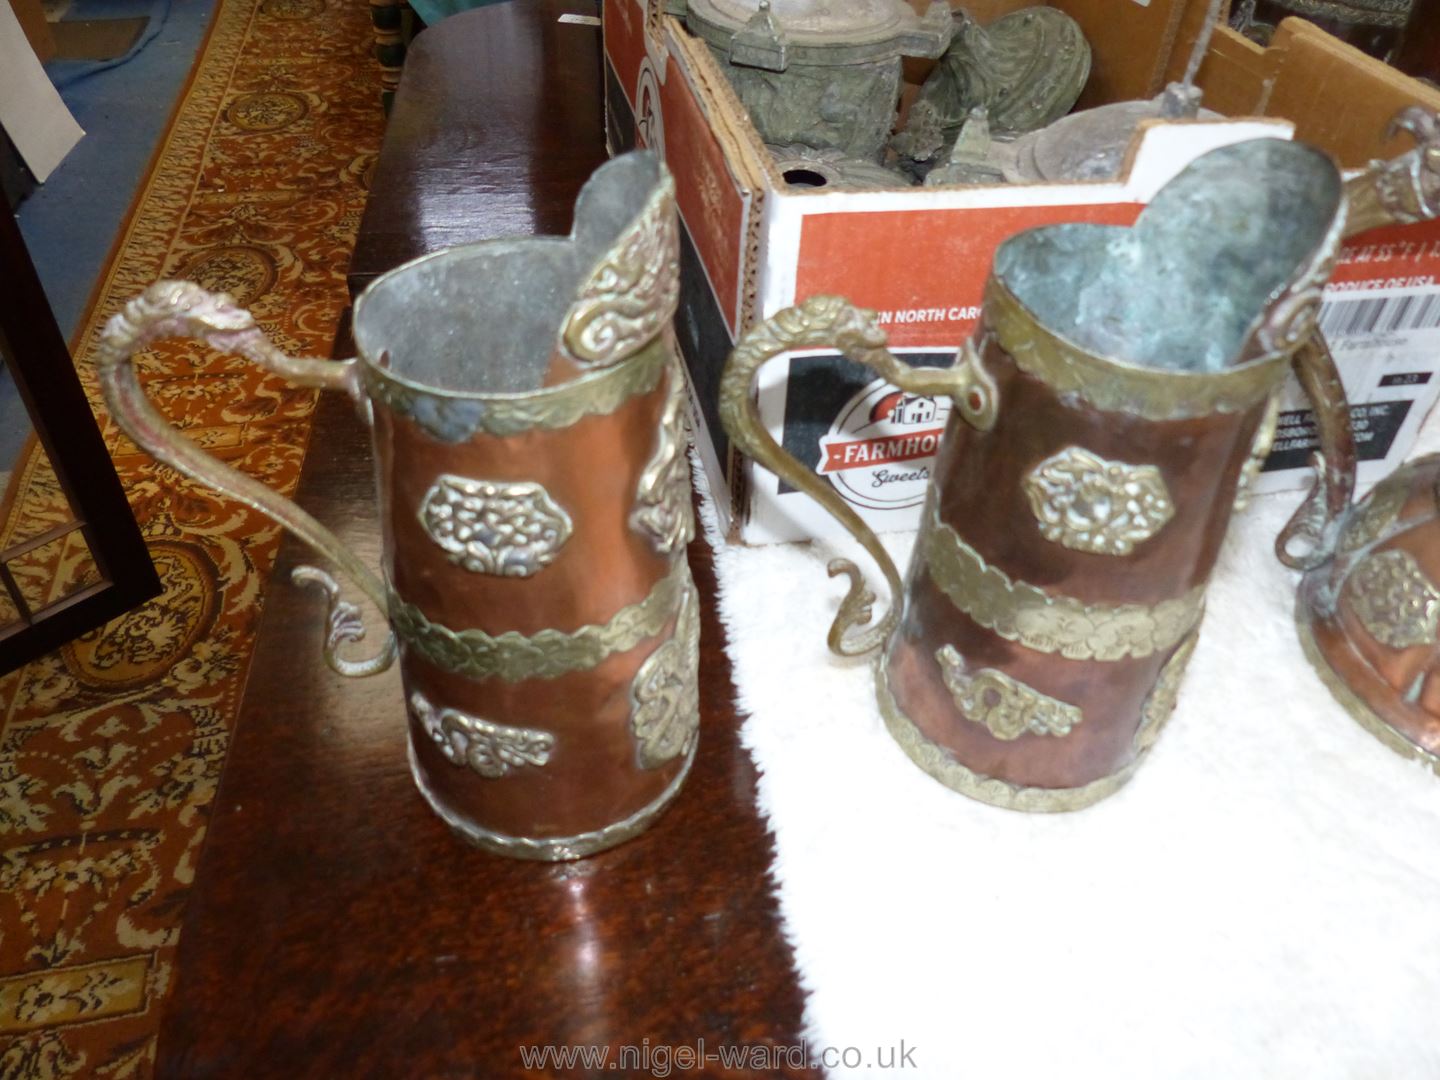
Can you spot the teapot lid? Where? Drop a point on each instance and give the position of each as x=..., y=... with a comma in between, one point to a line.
x=822, y=32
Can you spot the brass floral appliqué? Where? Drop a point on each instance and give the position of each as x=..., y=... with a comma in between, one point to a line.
x=1393, y=599
x=490, y=749
x=1007, y=707
x=488, y=527
x=1087, y=503
x=665, y=700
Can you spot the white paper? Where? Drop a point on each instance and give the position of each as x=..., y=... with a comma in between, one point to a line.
x=31, y=111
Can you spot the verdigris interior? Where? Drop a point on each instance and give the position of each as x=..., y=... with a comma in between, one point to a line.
x=1185, y=288
x=487, y=318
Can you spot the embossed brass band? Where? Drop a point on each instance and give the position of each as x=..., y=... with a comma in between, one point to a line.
x=1109, y=384
x=455, y=417
x=942, y=765
x=513, y=656
x=1039, y=620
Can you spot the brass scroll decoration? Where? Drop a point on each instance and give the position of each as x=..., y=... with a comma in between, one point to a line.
x=1393, y=599
x=490, y=749
x=513, y=656
x=633, y=293
x=664, y=513
x=1088, y=503
x=1023, y=613
x=1007, y=707
x=491, y=527
x=665, y=703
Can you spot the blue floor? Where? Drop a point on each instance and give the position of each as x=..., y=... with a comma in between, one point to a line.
x=71, y=221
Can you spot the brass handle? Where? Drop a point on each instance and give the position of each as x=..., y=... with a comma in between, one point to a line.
x=1404, y=189
x=830, y=321
x=1310, y=536
x=1401, y=191
x=182, y=309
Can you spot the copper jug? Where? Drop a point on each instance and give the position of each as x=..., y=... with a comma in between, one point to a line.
x=1118, y=390
x=527, y=410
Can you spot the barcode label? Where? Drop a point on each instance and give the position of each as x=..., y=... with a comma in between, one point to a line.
x=1380, y=314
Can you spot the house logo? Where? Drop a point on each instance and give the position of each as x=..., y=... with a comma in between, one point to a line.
x=879, y=451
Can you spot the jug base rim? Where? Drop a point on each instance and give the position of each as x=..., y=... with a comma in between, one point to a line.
x=556, y=848
x=941, y=765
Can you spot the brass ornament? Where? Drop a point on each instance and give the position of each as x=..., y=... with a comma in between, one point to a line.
x=1088, y=503
x=1395, y=601
x=1025, y=69
x=1007, y=707
x=632, y=295
x=458, y=417
x=509, y=529
x=1029, y=615
x=1160, y=703
x=513, y=656
x=942, y=766
x=491, y=750
x=664, y=697
x=664, y=512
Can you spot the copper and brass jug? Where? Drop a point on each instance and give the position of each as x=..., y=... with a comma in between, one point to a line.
x=1118, y=391
x=527, y=409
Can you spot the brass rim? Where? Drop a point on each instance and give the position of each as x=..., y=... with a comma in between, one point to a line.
x=940, y=763
x=1113, y=386
x=551, y=849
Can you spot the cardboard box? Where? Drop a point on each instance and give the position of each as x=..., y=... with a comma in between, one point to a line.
x=752, y=245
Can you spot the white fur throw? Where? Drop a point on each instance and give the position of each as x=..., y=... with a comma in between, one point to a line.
x=1262, y=900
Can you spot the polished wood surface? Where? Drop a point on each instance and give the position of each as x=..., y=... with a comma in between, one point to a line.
x=336, y=928
x=500, y=120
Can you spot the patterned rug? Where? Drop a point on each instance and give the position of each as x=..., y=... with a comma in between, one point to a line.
x=110, y=750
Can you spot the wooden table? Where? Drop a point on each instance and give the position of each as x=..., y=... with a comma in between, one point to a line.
x=336, y=927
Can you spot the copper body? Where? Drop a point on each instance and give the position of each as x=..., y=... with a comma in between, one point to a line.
x=592, y=468
x=1201, y=461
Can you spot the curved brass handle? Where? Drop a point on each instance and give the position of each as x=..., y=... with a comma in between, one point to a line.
x=1310, y=536
x=183, y=309
x=830, y=321
x=1403, y=190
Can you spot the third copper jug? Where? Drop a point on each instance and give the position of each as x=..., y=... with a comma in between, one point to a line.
x=1116, y=394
